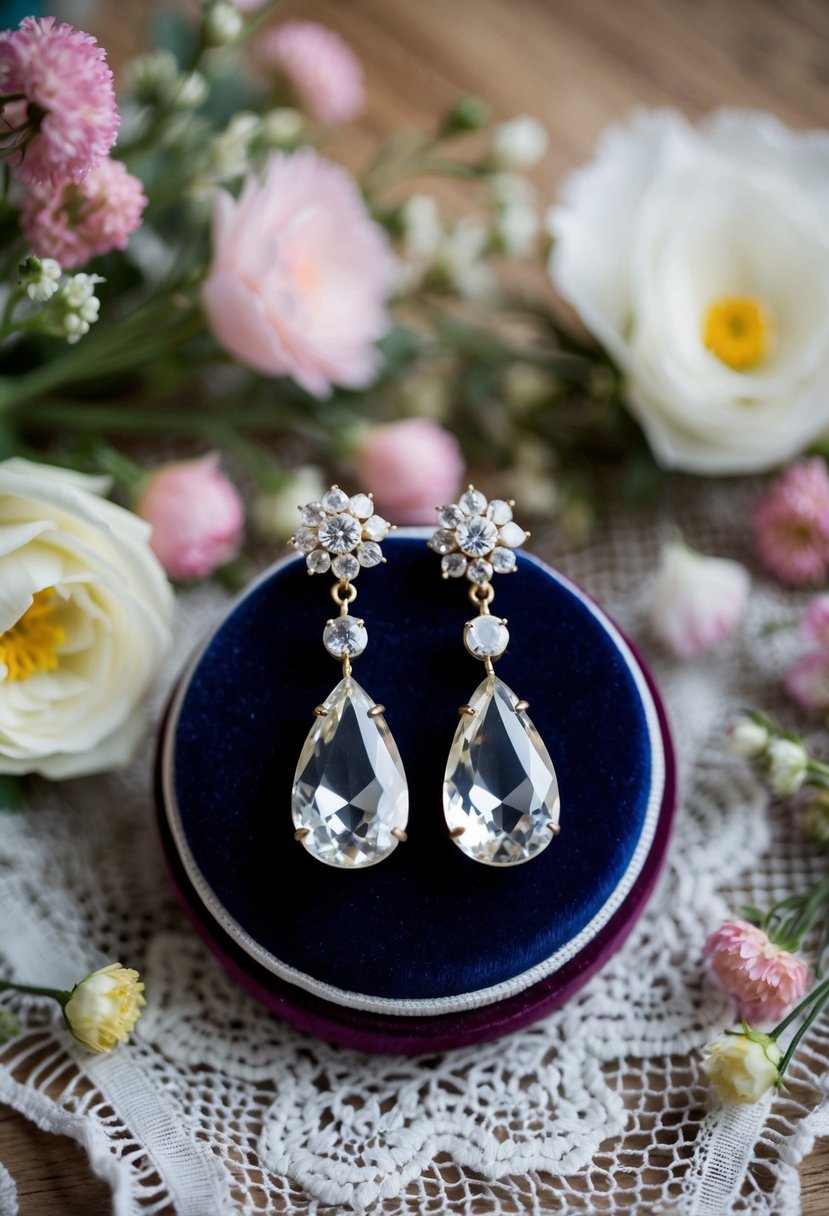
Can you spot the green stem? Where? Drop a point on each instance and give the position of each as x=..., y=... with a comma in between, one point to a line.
x=46, y=415
x=795, y=1013
x=817, y=1008
x=57, y=994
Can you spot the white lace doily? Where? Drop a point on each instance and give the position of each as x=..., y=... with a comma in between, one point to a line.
x=217, y=1108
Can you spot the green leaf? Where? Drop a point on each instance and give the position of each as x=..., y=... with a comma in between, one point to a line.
x=11, y=793
x=175, y=33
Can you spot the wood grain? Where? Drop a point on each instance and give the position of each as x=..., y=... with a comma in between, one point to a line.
x=578, y=65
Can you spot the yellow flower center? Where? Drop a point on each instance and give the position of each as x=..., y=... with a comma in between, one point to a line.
x=31, y=645
x=738, y=330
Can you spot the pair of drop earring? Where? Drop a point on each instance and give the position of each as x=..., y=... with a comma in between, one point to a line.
x=350, y=800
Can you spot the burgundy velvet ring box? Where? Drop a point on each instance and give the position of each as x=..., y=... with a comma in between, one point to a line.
x=427, y=950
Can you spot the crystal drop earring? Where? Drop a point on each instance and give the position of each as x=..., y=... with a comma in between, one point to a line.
x=500, y=791
x=350, y=799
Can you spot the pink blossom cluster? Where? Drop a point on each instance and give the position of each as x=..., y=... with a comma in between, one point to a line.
x=66, y=121
x=765, y=979
x=791, y=523
x=319, y=67
x=57, y=134
x=80, y=220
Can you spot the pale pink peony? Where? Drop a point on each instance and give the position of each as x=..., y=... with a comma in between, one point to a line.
x=791, y=523
x=765, y=979
x=807, y=680
x=300, y=275
x=80, y=220
x=196, y=515
x=321, y=68
x=696, y=600
x=412, y=467
x=815, y=622
x=68, y=113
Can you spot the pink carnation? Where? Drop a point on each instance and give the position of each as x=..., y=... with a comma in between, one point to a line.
x=82, y=219
x=68, y=115
x=815, y=622
x=807, y=680
x=320, y=67
x=196, y=515
x=300, y=275
x=765, y=979
x=412, y=467
x=791, y=523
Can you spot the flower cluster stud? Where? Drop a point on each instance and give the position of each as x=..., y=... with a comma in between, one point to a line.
x=477, y=538
x=350, y=799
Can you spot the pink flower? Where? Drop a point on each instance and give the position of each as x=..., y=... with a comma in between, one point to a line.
x=300, y=275
x=764, y=978
x=791, y=523
x=815, y=622
x=697, y=600
x=67, y=117
x=412, y=467
x=807, y=680
x=321, y=68
x=80, y=220
x=196, y=515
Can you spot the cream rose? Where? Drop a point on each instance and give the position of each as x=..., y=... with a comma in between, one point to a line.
x=699, y=257
x=85, y=612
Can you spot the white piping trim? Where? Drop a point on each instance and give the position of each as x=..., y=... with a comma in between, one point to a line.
x=414, y=1007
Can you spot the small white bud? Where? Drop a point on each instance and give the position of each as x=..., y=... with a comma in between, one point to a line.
x=517, y=229
x=282, y=126
x=192, y=90
x=222, y=23
x=422, y=229
x=747, y=738
x=519, y=144
x=788, y=766
x=275, y=513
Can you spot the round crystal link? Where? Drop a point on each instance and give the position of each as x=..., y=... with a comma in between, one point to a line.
x=479, y=571
x=476, y=536
x=305, y=539
x=345, y=565
x=486, y=637
x=335, y=500
x=511, y=535
x=453, y=565
x=361, y=506
x=472, y=502
x=345, y=637
x=369, y=554
x=451, y=516
x=318, y=561
x=340, y=533
x=443, y=541
x=312, y=515
x=503, y=560
x=376, y=528
x=500, y=512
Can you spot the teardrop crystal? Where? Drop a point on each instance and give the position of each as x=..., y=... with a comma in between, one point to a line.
x=350, y=792
x=500, y=792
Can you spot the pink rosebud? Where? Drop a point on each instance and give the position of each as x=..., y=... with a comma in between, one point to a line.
x=300, y=275
x=791, y=523
x=412, y=467
x=815, y=622
x=697, y=600
x=196, y=515
x=765, y=979
x=319, y=66
x=807, y=680
x=67, y=120
x=78, y=221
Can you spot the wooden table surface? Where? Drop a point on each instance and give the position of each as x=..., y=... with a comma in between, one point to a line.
x=578, y=65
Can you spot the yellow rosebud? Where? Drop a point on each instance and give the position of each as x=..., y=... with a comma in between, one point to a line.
x=742, y=1067
x=104, y=1007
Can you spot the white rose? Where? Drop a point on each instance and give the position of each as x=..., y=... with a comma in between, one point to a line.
x=699, y=257
x=85, y=613
x=788, y=766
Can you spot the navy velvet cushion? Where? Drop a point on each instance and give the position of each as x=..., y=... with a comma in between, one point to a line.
x=427, y=922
